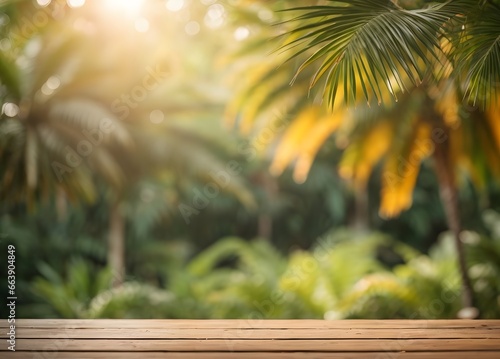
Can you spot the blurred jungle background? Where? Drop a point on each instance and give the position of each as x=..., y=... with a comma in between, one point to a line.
x=250, y=158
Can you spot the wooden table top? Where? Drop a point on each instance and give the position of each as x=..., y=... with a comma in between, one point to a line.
x=249, y=339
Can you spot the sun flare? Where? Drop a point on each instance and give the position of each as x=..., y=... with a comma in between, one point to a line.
x=130, y=7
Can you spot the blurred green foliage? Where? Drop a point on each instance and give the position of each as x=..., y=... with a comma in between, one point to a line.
x=345, y=275
x=270, y=262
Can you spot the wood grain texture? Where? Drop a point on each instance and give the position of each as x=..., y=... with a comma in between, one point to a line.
x=293, y=333
x=259, y=345
x=249, y=339
x=252, y=323
x=295, y=355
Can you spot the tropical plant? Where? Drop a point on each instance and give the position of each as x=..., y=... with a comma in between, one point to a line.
x=86, y=293
x=72, y=122
x=396, y=83
x=484, y=260
x=345, y=275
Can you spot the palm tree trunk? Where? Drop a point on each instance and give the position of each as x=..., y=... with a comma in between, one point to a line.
x=361, y=220
x=61, y=204
x=116, y=245
x=265, y=219
x=449, y=198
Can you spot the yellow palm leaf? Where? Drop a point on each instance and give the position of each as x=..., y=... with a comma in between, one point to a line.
x=493, y=119
x=401, y=171
x=253, y=105
x=489, y=144
x=244, y=80
x=289, y=147
x=313, y=141
x=447, y=105
x=460, y=152
x=360, y=157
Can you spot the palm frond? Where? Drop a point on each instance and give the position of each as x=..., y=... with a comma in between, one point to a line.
x=365, y=151
x=289, y=146
x=311, y=145
x=400, y=173
x=185, y=153
x=9, y=77
x=81, y=114
x=477, y=57
x=369, y=47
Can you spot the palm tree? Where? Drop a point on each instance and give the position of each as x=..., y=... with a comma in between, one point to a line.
x=395, y=85
x=76, y=119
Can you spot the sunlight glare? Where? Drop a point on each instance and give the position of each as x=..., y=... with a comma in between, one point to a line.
x=142, y=25
x=10, y=109
x=157, y=116
x=76, y=3
x=131, y=7
x=215, y=16
x=241, y=33
x=192, y=28
x=174, y=5
x=5, y=45
x=43, y=3
x=53, y=83
x=4, y=19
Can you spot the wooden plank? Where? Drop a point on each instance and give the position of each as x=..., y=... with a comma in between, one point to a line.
x=269, y=355
x=223, y=339
x=251, y=323
x=261, y=345
x=293, y=333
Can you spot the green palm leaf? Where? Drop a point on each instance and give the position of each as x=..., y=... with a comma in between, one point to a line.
x=478, y=56
x=185, y=153
x=369, y=46
x=9, y=77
